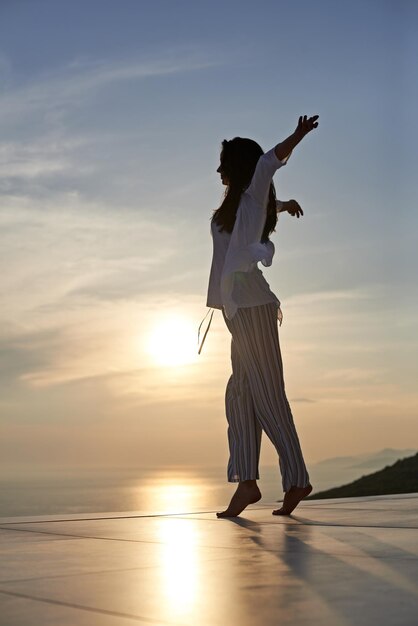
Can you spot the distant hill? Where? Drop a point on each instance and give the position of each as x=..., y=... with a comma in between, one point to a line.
x=328, y=473
x=388, y=456
x=368, y=461
x=401, y=477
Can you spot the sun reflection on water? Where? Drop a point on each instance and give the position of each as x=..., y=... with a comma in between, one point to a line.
x=174, y=492
x=177, y=491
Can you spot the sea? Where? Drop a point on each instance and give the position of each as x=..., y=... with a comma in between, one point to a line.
x=145, y=490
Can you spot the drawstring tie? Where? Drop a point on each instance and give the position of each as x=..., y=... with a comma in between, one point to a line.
x=206, y=332
x=279, y=317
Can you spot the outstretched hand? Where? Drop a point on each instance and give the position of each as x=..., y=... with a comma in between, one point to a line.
x=293, y=208
x=306, y=125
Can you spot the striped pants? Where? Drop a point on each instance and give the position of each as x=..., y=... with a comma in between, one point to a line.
x=255, y=399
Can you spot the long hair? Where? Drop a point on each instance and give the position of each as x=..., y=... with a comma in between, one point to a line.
x=239, y=158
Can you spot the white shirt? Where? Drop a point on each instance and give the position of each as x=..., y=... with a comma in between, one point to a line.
x=235, y=279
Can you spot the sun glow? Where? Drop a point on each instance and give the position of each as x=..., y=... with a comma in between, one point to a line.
x=173, y=342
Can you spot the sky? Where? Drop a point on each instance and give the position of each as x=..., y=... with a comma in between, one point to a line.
x=112, y=116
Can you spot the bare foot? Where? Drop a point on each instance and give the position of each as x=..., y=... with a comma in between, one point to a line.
x=292, y=498
x=244, y=495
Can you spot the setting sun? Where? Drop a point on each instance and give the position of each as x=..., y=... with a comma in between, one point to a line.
x=173, y=342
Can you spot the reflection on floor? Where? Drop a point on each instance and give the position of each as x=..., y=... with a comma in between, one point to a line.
x=341, y=562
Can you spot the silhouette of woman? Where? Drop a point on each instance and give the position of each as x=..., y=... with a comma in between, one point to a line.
x=255, y=398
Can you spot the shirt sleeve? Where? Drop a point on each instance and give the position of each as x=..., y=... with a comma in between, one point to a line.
x=266, y=166
x=245, y=249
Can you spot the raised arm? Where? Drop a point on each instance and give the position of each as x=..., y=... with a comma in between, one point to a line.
x=275, y=158
x=266, y=166
x=283, y=149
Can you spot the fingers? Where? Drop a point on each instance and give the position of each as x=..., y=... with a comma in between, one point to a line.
x=294, y=208
x=313, y=123
x=308, y=124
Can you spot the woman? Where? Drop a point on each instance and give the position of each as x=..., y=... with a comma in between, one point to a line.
x=255, y=398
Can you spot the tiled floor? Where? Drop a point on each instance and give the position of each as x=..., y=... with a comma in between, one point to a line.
x=334, y=562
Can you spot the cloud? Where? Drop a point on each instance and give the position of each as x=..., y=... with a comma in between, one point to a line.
x=356, y=374
x=83, y=286
x=79, y=80
x=330, y=296
x=42, y=157
x=17, y=358
x=104, y=350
